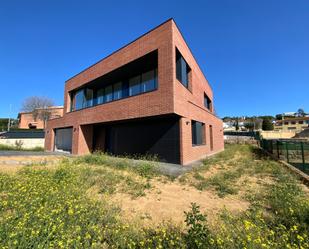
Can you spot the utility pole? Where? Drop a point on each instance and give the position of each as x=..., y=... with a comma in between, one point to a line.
x=9, y=124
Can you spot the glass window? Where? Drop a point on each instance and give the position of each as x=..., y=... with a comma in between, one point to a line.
x=182, y=69
x=207, y=102
x=198, y=133
x=135, y=86
x=80, y=101
x=300, y=122
x=100, y=96
x=108, y=94
x=89, y=97
x=118, y=90
x=148, y=81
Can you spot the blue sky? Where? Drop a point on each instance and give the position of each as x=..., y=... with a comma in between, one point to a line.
x=255, y=53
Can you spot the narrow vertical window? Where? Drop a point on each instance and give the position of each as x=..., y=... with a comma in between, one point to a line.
x=182, y=69
x=108, y=94
x=89, y=97
x=135, y=85
x=148, y=81
x=198, y=133
x=80, y=100
x=207, y=102
x=100, y=96
x=117, y=90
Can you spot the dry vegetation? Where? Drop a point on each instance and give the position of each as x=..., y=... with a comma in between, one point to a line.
x=243, y=200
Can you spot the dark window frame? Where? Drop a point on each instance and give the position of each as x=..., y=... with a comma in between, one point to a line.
x=182, y=65
x=207, y=102
x=198, y=136
x=125, y=91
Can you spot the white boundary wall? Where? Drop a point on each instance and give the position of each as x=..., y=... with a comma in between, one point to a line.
x=27, y=143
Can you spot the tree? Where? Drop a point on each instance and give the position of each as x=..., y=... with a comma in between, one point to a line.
x=301, y=112
x=237, y=125
x=34, y=102
x=267, y=125
x=279, y=116
x=249, y=126
x=39, y=107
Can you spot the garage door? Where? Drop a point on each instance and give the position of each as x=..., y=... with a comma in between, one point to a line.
x=63, y=139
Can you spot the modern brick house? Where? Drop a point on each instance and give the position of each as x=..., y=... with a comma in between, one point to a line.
x=149, y=97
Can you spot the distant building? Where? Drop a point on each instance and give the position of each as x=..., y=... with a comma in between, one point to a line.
x=37, y=118
x=292, y=124
x=289, y=114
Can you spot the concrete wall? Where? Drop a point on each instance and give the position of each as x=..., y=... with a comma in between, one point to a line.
x=27, y=143
x=277, y=134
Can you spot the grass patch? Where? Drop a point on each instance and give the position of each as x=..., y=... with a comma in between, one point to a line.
x=52, y=208
x=109, y=181
x=143, y=168
x=18, y=148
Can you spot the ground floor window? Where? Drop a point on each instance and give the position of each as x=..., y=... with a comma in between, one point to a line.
x=198, y=133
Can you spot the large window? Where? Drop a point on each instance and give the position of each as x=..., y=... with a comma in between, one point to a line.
x=100, y=96
x=198, y=133
x=182, y=69
x=141, y=83
x=89, y=97
x=80, y=100
x=207, y=102
x=135, y=85
x=108, y=93
x=117, y=93
x=149, y=80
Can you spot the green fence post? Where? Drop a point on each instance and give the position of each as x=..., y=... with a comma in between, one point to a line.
x=287, y=151
x=278, y=155
x=303, y=155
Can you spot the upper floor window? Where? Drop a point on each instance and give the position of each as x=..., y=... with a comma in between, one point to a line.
x=143, y=83
x=207, y=102
x=117, y=93
x=198, y=133
x=300, y=122
x=100, y=96
x=89, y=97
x=80, y=100
x=108, y=93
x=137, y=77
x=182, y=69
x=135, y=85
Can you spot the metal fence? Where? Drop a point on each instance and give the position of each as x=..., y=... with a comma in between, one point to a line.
x=295, y=153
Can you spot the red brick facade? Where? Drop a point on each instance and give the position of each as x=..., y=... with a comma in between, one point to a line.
x=171, y=97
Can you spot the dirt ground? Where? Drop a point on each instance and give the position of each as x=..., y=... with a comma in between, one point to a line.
x=168, y=201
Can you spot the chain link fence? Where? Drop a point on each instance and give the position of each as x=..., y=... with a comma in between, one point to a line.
x=295, y=153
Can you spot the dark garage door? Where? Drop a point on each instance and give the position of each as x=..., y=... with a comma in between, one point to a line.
x=153, y=136
x=63, y=139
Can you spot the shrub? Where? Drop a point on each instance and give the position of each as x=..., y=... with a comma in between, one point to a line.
x=198, y=235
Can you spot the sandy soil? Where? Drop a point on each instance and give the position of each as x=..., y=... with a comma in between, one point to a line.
x=168, y=201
